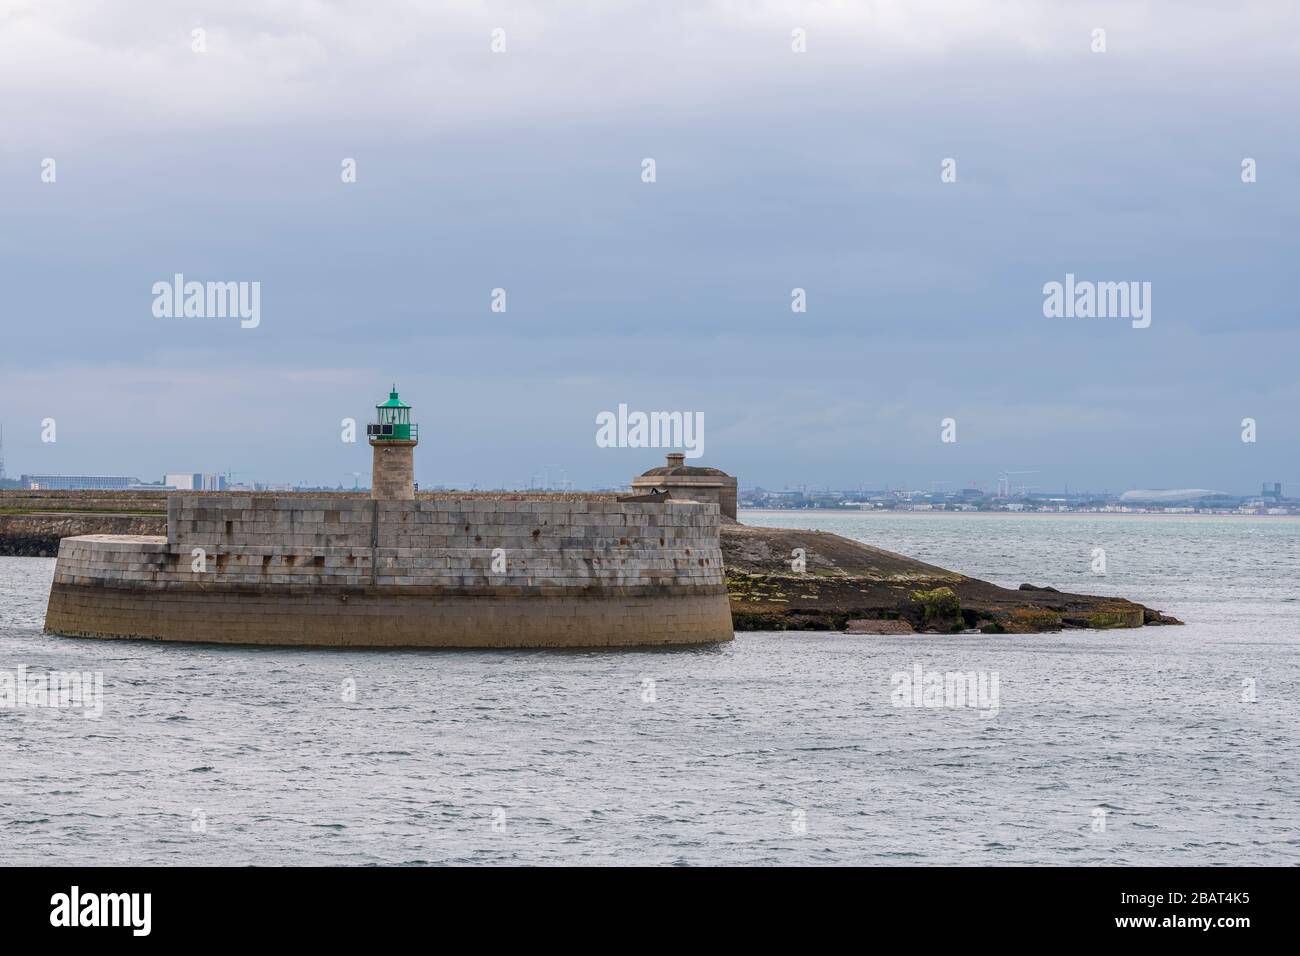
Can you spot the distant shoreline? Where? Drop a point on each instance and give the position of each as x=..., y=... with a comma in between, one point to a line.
x=1000, y=514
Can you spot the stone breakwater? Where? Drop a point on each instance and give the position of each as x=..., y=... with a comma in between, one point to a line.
x=846, y=584
x=38, y=535
x=449, y=571
x=33, y=522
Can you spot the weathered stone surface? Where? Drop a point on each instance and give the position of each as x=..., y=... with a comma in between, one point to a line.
x=38, y=535
x=690, y=482
x=392, y=476
x=446, y=573
x=362, y=616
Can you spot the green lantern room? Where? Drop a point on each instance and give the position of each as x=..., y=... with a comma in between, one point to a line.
x=393, y=438
x=393, y=421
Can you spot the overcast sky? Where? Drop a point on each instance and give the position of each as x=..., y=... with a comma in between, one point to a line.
x=522, y=170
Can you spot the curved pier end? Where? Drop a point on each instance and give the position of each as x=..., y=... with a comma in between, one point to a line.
x=349, y=572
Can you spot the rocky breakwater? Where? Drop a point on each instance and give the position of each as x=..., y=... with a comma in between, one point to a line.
x=33, y=522
x=846, y=585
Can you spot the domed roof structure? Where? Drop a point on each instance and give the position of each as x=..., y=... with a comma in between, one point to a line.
x=690, y=482
x=677, y=468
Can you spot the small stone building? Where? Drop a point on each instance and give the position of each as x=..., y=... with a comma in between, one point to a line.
x=691, y=483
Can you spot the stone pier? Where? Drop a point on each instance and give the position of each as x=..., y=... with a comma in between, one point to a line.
x=352, y=572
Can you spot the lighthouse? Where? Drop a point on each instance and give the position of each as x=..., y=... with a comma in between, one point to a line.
x=393, y=438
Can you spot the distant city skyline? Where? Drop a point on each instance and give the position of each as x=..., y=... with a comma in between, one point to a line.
x=555, y=477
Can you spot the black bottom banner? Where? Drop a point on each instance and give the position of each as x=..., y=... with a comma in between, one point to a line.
x=332, y=906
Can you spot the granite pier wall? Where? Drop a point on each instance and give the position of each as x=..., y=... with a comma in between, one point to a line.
x=447, y=571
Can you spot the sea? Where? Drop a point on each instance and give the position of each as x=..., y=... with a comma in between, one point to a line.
x=1159, y=745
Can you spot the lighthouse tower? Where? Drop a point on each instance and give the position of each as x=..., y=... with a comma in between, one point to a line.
x=393, y=438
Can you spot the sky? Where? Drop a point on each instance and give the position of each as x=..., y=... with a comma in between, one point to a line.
x=523, y=169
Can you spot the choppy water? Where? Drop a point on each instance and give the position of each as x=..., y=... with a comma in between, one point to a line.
x=546, y=757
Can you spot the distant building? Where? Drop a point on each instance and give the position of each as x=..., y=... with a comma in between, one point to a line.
x=78, y=482
x=194, y=481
